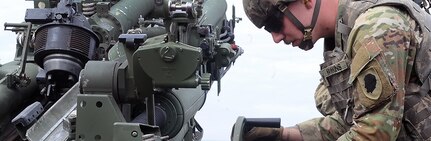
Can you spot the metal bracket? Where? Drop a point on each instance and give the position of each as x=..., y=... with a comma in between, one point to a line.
x=27, y=117
x=132, y=41
x=102, y=8
x=137, y=132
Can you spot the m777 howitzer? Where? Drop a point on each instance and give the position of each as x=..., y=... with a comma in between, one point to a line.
x=149, y=85
x=53, y=45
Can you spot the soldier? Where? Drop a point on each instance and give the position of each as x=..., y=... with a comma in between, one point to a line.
x=376, y=67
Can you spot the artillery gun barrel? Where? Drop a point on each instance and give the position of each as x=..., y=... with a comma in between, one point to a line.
x=212, y=14
x=121, y=17
x=127, y=12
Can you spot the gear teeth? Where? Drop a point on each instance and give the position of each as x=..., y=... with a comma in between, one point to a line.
x=205, y=81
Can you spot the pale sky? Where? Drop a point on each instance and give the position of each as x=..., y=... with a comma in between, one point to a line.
x=268, y=81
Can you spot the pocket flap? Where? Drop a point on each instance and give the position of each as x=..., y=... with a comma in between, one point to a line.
x=365, y=54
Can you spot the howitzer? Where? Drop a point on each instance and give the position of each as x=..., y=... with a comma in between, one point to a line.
x=155, y=81
x=53, y=45
x=46, y=64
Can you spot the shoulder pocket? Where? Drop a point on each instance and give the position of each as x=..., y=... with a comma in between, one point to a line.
x=364, y=55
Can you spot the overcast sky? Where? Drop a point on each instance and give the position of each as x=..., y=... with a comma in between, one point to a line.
x=268, y=80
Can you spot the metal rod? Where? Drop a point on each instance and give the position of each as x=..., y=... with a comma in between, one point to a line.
x=151, y=112
x=24, y=51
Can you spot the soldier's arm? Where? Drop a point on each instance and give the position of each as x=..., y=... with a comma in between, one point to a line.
x=325, y=128
x=323, y=100
x=308, y=128
x=382, y=44
x=329, y=127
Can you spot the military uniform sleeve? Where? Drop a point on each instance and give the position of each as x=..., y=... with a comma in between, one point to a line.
x=323, y=100
x=327, y=128
x=382, y=46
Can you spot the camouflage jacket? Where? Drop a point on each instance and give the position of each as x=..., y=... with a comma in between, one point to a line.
x=372, y=80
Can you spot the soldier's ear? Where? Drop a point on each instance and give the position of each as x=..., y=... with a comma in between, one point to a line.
x=308, y=3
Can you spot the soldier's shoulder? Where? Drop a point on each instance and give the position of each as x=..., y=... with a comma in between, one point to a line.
x=384, y=17
x=376, y=21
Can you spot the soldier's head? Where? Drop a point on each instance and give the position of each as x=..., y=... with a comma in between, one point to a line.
x=291, y=21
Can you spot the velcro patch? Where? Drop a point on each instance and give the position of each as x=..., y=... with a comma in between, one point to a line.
x=370, y=84
x=373, y=87
x=363, y=56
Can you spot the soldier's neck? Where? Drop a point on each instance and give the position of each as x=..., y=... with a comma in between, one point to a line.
x=327, y=20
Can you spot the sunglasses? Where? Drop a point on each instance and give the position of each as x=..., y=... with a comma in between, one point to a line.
x=274, y=21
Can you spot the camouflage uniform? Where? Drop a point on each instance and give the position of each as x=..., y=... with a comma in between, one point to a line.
x=323, y=100
x=380, y=51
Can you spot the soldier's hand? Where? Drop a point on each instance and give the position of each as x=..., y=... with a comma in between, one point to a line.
x=264, y=134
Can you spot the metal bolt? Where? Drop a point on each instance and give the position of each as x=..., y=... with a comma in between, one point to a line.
x=41, y=5
x=58, y=17
x=134, y=134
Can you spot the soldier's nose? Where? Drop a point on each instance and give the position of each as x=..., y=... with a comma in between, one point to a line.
x=277, y=37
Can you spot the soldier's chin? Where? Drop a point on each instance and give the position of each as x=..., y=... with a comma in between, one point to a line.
x=305, y=46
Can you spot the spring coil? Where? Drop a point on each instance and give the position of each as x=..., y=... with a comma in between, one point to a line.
x=88, y=9
x=426, y=5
